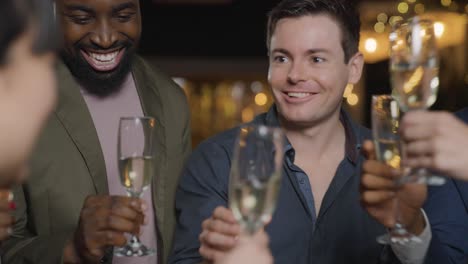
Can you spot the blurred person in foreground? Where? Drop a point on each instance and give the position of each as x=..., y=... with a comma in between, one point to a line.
x=73, y=208
x=438, y=140
x=27, y=90
x=313, y=55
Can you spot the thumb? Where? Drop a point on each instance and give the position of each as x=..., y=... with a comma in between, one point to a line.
x=368, y=150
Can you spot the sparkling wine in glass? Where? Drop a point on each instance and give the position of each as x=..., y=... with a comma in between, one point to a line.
x=385, y=124
x=136, y=165
x=414, y=68
x=256, y=175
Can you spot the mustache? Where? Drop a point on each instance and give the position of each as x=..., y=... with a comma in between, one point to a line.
x=116, y=45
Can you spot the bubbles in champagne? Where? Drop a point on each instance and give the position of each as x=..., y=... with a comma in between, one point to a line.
x=136, y=173
x=253, y=202
x=415, y=87
x=389, y=152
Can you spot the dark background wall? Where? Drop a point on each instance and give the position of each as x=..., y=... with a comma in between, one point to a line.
x=225, y=30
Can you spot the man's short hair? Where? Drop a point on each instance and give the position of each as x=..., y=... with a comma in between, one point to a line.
x=344, y=12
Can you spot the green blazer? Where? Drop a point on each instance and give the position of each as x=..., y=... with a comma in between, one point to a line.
x=68, y=165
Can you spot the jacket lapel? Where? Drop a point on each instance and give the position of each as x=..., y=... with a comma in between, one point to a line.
x=76, y=119
x=152, y=106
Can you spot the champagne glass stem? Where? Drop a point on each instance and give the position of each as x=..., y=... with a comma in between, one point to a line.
x=252, y=226
x=420, y=175
x=399, y=234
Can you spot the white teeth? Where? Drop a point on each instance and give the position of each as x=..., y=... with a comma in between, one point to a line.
x=106, y=58
x=298, y=95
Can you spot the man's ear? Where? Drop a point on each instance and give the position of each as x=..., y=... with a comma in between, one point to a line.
x=355, y=67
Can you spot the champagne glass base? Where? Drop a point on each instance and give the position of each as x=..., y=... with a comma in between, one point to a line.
x=422, y=176
x=398, y=236
x=134, y=249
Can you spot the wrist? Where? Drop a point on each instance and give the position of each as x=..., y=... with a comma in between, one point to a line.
x=417, y=225
x=70, y=254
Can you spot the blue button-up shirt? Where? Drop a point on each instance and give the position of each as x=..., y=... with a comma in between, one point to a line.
x=343, y=232
x=303, y=179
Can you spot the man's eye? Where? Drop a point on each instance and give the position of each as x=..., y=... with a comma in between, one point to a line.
x=125, y=17
x=82, y=20
x=280, y=59
x=318, y=59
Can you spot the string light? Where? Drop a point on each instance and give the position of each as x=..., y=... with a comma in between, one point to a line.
x=349, y=90
x=419, y=8
x=371, y=45
x=446, y=3
x=439, y=29
x=247, y=114
x=374, y=46
x=379, y=27
x=352, y=99
x=403, y=7
x=395, y=19
x=261, y=99
x=383, y=18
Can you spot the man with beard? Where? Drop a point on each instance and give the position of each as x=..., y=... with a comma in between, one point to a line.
x=73, y=208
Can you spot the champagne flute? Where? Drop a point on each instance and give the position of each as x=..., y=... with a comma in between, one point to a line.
x=414, y=67
x=385, y=123
x=135, y=156
x=256, y=175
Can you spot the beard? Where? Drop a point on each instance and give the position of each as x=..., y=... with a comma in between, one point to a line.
x=99, y=83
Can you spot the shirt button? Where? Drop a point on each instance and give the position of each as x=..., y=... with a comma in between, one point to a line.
x=301, y=181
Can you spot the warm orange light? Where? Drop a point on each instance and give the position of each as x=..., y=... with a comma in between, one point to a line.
x=348, y=90
x=446, y=2
x=352, y=99
x=261, y=99
x=371, y=45
x=439, y=29
x=247, y=114
x=419, y=8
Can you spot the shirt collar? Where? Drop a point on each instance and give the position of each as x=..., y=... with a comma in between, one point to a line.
x=352, y=143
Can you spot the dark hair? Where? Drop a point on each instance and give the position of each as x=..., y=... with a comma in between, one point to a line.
x=15, y=18
x=343, y=11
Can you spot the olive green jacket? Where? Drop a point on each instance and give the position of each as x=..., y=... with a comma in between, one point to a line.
x=68, y=165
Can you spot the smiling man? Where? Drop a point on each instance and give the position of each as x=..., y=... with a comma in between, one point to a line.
x=73, y=209
x=100, y=61
x=313, y=55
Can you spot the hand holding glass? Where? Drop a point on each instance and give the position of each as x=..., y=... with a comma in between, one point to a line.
x=414, y=67
x=385, y=123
